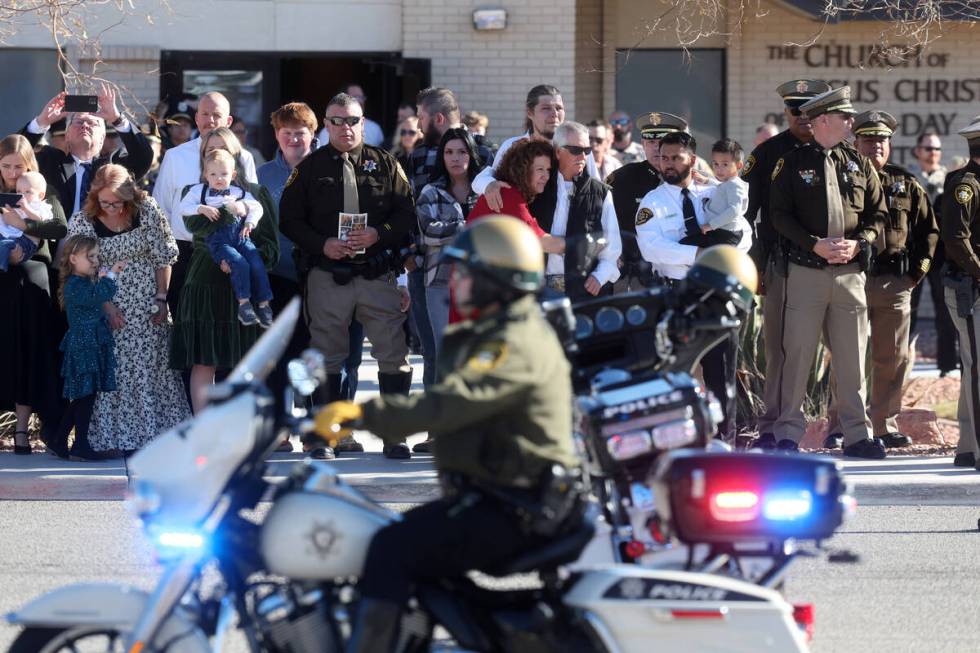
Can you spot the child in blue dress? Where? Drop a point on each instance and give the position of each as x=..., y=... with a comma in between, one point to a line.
x=89, y=365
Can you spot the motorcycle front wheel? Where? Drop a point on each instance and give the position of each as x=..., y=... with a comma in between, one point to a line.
x=68, y=640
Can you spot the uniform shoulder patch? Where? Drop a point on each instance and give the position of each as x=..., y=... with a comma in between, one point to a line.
x=292, y=177
x=749, y=164
x=777, y=169
x=963, y=193
x=643, y=216
x=487, y=357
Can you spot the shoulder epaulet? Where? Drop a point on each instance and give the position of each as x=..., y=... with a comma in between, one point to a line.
x=895, y=169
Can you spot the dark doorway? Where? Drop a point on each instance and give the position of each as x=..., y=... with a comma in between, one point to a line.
x=257, y=84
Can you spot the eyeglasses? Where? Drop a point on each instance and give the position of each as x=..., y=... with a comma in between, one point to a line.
x=350, y=121
x=577, y=150
x=795, y=111
x=111, y=205
x=620, y=122
x=931, y=149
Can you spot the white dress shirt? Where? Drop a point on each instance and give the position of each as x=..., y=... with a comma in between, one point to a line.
x=607, y=269
x=485, y=178
x=660, y=234
x=192, y=200
x=181, y=167
x=372, y=134
x=609, y=165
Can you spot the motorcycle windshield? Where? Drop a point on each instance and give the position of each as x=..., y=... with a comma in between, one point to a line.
x=189, y=466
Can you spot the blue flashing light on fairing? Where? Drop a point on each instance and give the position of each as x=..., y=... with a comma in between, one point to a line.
x=180, y=540
x=787, y=505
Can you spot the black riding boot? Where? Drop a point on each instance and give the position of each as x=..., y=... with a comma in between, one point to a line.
x=375, y=627
x=399, y=383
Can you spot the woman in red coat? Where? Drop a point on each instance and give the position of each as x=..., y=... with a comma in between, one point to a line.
x=523, y=174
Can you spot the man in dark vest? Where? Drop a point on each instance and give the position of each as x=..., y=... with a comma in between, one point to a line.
x=575, y=204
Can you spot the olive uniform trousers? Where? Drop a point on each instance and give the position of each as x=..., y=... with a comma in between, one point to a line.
x=890, y=317
x=968, y=408
x=814, y=300
x=375, y=303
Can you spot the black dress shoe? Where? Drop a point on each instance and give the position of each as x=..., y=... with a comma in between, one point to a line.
x=833, y=441
x=398, y=451
x=894, y=440
x=349, y=445
x=965, y=460
x=321, y=453
x=787, y=446
x=423, y=447
x=870, y=449
x=766, y=441
x=22, y=449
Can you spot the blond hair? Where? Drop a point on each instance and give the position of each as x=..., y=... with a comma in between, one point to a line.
x=219, y=156
x=17, y=144
x=118, y=180
x=232, y=146
x=34, y=180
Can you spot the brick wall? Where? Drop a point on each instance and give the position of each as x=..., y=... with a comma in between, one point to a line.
x=589, y=36
x=135, y=69
x=491, y=72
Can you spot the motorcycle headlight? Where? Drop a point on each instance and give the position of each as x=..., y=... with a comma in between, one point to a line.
x=629, y=445
x=142, y=499
x=674, y=434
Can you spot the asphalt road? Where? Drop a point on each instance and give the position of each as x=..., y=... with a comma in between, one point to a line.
x=916, y=588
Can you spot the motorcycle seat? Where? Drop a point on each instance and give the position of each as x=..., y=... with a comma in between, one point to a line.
x=553, y=554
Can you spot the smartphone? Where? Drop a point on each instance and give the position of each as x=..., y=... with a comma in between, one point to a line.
x=10, y=199
x=81, y=103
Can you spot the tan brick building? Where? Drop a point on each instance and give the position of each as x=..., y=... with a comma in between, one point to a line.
x=598, y=52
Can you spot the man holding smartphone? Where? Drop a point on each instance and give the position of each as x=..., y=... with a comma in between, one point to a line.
x=71, y=173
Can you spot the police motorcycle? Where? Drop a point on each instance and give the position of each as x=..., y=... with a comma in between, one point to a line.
x=632, y=357
x=285, y=575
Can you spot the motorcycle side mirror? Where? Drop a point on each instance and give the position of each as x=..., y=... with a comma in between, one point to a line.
x=584, y=251
x=307, y=372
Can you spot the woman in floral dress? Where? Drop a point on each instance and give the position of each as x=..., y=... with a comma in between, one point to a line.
x=130, y=227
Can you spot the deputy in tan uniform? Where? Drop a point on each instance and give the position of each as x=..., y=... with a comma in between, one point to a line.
x=961, y=236
x=757, y=173
x=902, y=258
x=827, y=203
x=354, y=276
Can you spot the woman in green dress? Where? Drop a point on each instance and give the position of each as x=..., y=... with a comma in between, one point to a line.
x=207, y=335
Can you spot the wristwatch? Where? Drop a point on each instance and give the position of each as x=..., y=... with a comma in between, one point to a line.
x=118, y=121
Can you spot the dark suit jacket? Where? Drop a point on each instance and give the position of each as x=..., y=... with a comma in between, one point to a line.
x=58, y=168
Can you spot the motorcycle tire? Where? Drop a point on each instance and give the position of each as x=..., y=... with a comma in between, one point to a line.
x=36, y=640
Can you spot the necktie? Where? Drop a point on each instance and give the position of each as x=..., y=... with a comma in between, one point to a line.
x=86, y=182
x=351, y=202
x=214, y=192
x=690, y=218
x=835, y=206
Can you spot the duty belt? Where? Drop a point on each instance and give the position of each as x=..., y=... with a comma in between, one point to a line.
x=896, y=264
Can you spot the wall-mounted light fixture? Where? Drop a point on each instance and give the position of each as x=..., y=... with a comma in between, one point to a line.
x=489, y=18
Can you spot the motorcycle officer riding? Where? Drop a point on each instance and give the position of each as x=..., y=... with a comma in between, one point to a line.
x=501, y=424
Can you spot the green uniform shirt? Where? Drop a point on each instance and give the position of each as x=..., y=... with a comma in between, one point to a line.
x=960, y=218
x=502, y=413
x=630, y=184
x=911, y=223
x=313, y=199
x=798, y=197
x=757, y=173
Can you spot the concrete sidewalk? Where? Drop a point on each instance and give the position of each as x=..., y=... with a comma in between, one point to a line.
x=916, y=480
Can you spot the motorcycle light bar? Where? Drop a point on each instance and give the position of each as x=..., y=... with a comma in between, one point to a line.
x=743, y=498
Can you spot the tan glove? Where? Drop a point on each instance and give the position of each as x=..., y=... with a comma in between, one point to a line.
x=329, y=422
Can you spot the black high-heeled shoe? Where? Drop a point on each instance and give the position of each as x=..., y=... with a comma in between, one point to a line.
x=22, y=449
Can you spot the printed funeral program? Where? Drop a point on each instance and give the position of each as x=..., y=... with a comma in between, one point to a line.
x=351, y=222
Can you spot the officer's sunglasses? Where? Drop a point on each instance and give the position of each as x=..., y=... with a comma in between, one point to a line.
x=620, y=122
x=577, y=150
x=350, y=121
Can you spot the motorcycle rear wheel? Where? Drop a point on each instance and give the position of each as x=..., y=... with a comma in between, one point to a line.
x=68, y=640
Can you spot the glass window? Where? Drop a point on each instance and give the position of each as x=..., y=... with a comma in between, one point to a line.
x=690, y=85
x=29, y=80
